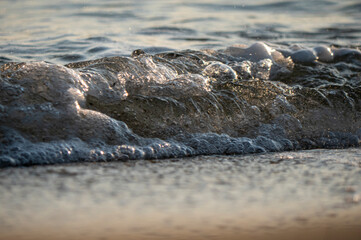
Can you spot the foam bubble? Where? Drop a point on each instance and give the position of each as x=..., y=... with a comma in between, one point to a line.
x=220, y=71
x=256, y=52
x=304, y=56
x=345, y=54
x=324, y=54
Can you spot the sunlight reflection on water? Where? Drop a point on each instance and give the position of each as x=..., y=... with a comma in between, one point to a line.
x=65, y=31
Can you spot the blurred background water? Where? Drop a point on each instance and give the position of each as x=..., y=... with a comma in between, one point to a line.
x=75, y=30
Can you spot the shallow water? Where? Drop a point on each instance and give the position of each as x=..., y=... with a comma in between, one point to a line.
x=219, y=97
x=68, y=31
x=184, y=85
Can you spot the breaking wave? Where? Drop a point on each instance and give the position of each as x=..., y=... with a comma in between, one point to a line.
x=238, y=100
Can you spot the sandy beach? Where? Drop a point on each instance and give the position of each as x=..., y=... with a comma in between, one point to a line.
x=292, y=195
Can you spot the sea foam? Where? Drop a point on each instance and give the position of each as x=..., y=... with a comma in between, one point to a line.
x=235, y=101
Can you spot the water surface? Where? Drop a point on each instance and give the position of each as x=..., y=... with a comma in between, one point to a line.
x=174, y=119
x=67, y=31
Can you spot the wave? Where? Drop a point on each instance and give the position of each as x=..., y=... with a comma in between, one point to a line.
x=238, y=100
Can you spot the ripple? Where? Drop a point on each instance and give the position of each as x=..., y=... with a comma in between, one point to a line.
x=4, y=59
x=166, y=30
x=97, y=49
x=69, y=57
x=100, y=14
x=195, y=39
x=99, y=39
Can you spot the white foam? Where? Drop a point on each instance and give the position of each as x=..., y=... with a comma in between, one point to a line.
x=52, y=113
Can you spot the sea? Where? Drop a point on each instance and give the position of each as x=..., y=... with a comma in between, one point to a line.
x=180, y=119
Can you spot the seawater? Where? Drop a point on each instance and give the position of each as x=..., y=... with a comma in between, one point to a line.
x=76, y=30
x=110, y=80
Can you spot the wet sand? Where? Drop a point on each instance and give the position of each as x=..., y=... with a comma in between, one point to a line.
x=291, y=195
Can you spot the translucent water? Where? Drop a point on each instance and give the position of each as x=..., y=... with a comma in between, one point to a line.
x=220, y=97
x=166, y=92
x=175, y=104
